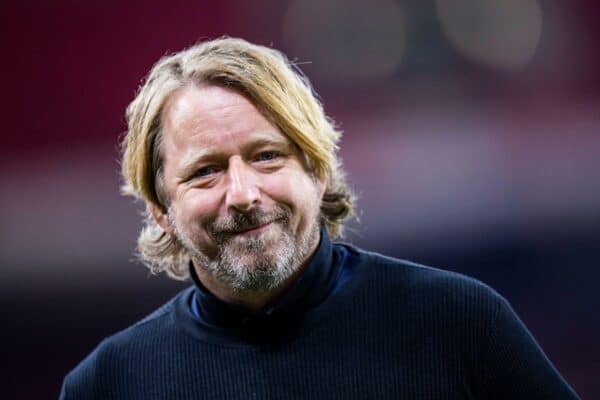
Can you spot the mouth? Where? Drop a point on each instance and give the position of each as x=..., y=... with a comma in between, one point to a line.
x=251, y=230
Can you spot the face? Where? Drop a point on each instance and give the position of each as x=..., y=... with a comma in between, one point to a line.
x=241, y=199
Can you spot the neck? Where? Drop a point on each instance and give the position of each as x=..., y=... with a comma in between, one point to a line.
x=252, y=300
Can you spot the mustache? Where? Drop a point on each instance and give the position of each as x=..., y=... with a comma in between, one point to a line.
x=238, y=221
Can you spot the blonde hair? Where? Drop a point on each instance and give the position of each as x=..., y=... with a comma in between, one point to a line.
x=278, y=89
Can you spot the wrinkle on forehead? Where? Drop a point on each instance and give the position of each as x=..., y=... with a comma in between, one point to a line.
x=213, y=121
x=190, y=110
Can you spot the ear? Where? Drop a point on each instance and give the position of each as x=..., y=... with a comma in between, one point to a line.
x=322, y=185
x=161, y=218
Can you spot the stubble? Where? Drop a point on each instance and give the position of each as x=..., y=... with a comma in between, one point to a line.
x=252, y=263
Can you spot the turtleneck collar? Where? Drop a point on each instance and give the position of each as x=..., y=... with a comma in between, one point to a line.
x=310, y=289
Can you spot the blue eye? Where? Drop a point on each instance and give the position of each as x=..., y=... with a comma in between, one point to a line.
x=267, y=156
x=205, y=171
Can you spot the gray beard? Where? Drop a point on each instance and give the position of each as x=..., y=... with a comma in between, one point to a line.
x=252, y=264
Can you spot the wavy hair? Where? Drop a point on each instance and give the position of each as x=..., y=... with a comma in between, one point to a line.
x=274, y=85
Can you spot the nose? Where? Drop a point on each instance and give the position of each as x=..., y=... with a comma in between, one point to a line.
x=243, y=192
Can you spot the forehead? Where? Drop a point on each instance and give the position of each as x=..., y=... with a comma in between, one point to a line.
x=213, y=115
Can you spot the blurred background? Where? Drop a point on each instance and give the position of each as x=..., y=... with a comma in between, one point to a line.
x=472, y=137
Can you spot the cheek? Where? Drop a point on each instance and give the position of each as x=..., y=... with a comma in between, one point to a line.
x=197, y=208
x=300, y=193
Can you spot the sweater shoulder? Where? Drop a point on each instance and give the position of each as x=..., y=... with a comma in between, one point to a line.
x=403, y=279
x=158, y=321
x=433, y=298
x=82, y=381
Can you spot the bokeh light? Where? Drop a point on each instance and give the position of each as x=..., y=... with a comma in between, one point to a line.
x=346, y=39
x=503, y=34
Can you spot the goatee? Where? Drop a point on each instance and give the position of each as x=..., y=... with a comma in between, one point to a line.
x=252, y=263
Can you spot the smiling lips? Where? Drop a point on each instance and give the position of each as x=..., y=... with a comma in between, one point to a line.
x=252, y=230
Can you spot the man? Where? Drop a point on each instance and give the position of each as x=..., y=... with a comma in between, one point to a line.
x=235, y=159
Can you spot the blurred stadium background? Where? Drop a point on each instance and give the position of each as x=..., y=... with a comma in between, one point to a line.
x=472, y=136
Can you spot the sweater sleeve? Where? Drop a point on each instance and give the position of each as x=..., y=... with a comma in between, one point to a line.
x=80, y=384
x=514, y=365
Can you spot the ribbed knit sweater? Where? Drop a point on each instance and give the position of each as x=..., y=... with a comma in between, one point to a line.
x=356, y=325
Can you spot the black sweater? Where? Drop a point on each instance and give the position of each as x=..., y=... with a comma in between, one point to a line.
x=356, y=325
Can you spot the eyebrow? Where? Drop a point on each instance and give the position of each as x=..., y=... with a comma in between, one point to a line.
x=191, y=161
